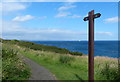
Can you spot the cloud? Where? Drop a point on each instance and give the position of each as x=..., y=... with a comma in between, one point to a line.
x=0, y=28
x=63, y=10
x=42, y=17
x=63, y=14
x=22, y=18
x=20, y=0
x=66, y=7
x=0, y=6
x=60, y=0
x=104, y=33
x=9, y=7
x=41, y=34
x=73, y=0
x=10, y=26
x=90, y=0
x=75, y=16
x=13, y=30
x=111, y=20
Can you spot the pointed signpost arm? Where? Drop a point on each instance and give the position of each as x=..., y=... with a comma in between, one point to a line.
x=90, y=18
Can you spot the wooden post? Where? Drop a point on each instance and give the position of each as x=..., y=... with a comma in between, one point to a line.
x=91, y=18
x=91, y=46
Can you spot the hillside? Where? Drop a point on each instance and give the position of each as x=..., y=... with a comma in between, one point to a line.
x=41, y=47
x=59, y=61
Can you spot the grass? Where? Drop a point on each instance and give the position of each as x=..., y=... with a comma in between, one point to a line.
x=12, y=66
x=69, y=67
x=62, y=70
x=64, y=59
x=41, y=47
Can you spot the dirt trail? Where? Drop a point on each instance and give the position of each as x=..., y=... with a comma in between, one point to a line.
x=38, y=72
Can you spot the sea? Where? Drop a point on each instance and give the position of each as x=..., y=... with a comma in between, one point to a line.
x=101, y=48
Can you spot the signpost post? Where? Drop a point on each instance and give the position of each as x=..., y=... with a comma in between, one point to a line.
x=90, y=18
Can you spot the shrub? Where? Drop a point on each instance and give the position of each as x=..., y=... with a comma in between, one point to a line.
x=110, y=73
x=12, y=67
x=65, y=59
x=8, y=53
x=76, y=53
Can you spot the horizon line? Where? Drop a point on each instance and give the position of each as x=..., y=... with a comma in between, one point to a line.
x=58, y=40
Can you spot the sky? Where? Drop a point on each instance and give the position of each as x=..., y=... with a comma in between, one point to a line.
x=60, y=0
x=58, y=20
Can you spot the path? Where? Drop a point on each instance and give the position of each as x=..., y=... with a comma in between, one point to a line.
x=38, y=72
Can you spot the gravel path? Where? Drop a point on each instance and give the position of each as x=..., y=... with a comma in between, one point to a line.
x=38, y=72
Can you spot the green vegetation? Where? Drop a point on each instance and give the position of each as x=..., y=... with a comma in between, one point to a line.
x=64, y=59
x=41, y=47
x=64, y=65
x=12, y=66
x=110, y=72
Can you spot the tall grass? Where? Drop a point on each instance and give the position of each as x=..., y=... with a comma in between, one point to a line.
x=110, y=72
x=65, y=59
x=12, y=66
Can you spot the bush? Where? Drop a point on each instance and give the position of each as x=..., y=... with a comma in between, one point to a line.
x=8, y=53
x=12, y=67
x=76, y=53
x=110, y=73
x=65, y=59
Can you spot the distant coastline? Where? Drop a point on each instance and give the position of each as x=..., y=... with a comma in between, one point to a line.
x=102, y=48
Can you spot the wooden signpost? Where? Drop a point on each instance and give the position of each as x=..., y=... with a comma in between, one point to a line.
x=90, y=18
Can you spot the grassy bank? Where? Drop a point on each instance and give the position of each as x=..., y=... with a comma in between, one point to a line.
x=41, y=47
x=66, y=66
x=13, y=68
